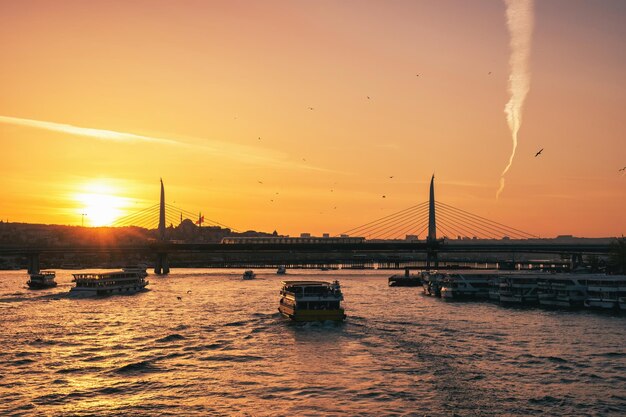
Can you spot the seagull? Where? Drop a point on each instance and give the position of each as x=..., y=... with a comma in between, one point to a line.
x=391, y=176
x=188, y=291
x=489, y=73
x=311, y=108
x=179, y=298
x=417, y=75
x=539, y=153
x=620, y=170
x=259, y=137
x=384, y=196
x=304, y=159
x=260, y=182
x=368, y=97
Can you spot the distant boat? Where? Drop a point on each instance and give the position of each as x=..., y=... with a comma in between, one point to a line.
x=41, y=280
x=108, y=283
x=281, y=270
x=249, y=274
x=139, y=269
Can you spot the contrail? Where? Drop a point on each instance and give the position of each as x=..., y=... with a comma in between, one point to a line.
x=519, y=20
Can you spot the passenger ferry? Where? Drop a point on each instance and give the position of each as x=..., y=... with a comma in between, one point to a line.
x=467, y=285
x=41, y=280
x=249, y=274
x=562, y=290
x=108, y=283
x=519, y=289
x=311, y=301
x=607, y=292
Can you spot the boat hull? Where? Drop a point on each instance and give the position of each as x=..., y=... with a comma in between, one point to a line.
x=301, y=315
x=40, y=286
x=91, y=292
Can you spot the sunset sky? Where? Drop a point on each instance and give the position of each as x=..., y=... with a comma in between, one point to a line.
x=100, y=99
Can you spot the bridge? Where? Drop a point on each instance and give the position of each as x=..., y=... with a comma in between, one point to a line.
x=391, y=240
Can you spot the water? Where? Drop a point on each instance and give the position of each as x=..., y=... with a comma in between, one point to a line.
x=224, y=349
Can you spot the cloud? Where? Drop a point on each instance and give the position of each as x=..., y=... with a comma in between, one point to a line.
x=241, y=153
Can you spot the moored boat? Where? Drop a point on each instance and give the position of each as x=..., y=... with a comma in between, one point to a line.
x=519, y=289
x=108, y=283
x=562, y=290
x=248, y=274
x=281, y=270
x=41, y=280
x=311, y=301
x=606, y=292
x=469, y=285
x=405, y=280
x=431, y=283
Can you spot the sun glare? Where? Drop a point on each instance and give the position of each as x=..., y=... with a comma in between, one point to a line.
x=99, y=205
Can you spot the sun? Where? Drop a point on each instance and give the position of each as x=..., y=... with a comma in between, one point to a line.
x=100, y=204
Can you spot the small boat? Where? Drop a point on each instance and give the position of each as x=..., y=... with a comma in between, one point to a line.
x=281, y=270
x=304, y=301
x=108, y=283
x=41, y=280
x=249, y=274
x=405, y=280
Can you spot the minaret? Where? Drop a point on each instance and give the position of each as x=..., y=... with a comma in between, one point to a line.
x=432, y=226
x=162, y=213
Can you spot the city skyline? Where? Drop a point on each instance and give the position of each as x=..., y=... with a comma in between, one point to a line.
x=300, y=117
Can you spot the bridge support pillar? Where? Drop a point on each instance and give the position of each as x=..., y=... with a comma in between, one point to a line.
x=162, y=265
x=576, y=260
x=432, y=260
x=33, y=263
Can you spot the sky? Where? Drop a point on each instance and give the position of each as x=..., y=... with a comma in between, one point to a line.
x=293, y=115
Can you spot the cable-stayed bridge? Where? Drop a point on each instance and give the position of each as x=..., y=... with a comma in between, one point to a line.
x=392, y=239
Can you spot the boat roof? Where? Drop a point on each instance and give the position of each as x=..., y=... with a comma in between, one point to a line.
x=306, y=283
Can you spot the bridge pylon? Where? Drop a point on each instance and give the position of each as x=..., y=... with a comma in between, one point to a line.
x=161, y=266
x=432, y=259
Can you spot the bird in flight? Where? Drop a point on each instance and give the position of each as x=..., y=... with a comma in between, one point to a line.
x=259, y=137
x=620, y=170
x=179, y=298
x=391, y=176
x=311, y=108
x=489, y=73
x=384, y=196
x=368, y=97
x=260, y=182
x=539, y=153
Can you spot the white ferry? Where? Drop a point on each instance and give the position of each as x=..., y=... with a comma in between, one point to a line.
x=608, y=292
x=249, y=274
x=467, y=284
x=562, y=290
x=311, y=301
x=41, y=280
x=519, y=289
x=108, y=283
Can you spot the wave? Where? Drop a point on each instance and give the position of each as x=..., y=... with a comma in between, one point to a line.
x=171, y=338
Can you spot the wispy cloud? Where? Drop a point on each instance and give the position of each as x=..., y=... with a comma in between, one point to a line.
x=253, y=155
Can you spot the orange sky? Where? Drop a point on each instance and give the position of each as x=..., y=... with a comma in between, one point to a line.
x=190, y=87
